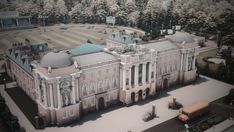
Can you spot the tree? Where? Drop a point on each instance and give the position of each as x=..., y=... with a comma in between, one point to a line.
x=48, y=9
x=121, y=17
x=133, y=18
x=141, y=4
x=130, y=7
x=13, y=123
x=113, y=9
x=101, y=15
x=61, y=10
x=228, y=40
x=27, y=8
x=76, y=13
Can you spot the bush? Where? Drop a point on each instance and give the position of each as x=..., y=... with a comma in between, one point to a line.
x=148, y=116
x=6, y=114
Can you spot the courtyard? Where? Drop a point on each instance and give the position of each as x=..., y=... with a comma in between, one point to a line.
x=130, y=118
x=71, y=36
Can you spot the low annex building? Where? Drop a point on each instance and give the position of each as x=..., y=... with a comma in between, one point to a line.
x=69, y=83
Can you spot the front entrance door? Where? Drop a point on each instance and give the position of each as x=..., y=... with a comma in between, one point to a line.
x=101, y=103
x=165, y=83
x=140, y=95
x=133, y=97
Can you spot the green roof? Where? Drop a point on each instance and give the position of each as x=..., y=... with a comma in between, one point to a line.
x=87, y=48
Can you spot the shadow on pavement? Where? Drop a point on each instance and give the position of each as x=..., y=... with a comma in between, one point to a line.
x=25, y=103
x=91, y=116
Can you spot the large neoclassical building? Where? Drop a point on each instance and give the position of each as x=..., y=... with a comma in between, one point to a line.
x=68, y=83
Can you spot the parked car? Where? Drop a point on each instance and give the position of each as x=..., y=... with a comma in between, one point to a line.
x=193, y=111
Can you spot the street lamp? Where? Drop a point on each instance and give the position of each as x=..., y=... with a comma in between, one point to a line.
x=43, y=17
x=153, y=110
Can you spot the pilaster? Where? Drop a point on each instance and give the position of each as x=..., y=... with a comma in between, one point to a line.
x=143, y=73
x=136, y=75
x=51, y=96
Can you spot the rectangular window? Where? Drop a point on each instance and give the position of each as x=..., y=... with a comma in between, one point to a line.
x=127, y=81
x=71, y=113
x=64, y=114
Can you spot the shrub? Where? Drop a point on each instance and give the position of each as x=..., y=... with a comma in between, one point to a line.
x=148, y=116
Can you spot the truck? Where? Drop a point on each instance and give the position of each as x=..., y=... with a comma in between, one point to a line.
x=191, y=112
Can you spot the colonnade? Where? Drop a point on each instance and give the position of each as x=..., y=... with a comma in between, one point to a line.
x=138, y=75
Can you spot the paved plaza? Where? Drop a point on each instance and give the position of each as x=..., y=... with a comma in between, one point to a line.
x=122, y=119
x=74, y=35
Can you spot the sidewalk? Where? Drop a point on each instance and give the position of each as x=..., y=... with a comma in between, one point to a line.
x=23, y=121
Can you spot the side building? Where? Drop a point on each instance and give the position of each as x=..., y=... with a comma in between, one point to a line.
x=18, y=64
x=73, y=82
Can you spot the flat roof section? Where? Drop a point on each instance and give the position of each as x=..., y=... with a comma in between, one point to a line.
x=94, y=58
x=161, y=45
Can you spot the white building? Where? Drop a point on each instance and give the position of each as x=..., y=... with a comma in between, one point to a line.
x=90, y=78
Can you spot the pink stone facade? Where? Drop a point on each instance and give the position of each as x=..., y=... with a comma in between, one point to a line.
x=125, y=73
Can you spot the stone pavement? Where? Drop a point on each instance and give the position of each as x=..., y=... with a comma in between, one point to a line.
x=124, y=119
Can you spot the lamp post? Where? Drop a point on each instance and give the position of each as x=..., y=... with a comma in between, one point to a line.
x=43, y=17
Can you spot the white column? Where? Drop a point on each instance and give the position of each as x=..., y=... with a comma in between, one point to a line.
x=130, y=77
x=73, y=91
x=149, y=74
x=29, y=21
x=136, y=75
x=39, y=91
x=44, y=92
x=181, y=62
x=124, y=79
x=186, y=62
x=77, y=90
x=1, y=23
x=37, y=86
x=58, y=95
x=143, y=73
x=51, y=96
x=194, y=62
x=17, y=22
x=155, y=71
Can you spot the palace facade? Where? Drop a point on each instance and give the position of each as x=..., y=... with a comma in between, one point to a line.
x=68, y=83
